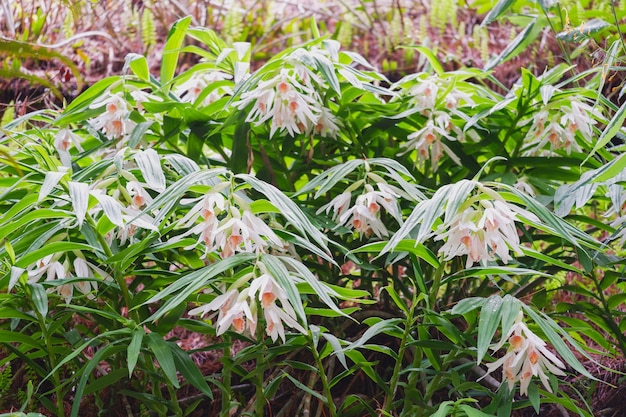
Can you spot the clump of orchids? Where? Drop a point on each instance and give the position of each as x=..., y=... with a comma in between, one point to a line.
x=526, y=356
x=483, y=228
x=226, y=225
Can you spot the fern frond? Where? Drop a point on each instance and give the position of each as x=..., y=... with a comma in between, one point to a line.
x=345, y=31
x=68, y=24
x=6, y=375
x=233, y=26
x=148, y=28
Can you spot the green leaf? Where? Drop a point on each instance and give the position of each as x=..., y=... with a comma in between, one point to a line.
x=139, y=132
x=521, y=41
x=7, y=336
x=241, y=145
x=335, y=344
x=149, y=163
x=398, y=301
x=37, y=215
x=290, y=211
x=472, y=412
x=584, y=31
x=375, y=329
x=616, y=300
x=134, y=348
x=139, y=65
x=186, y=285
x=50, y=248
x=163, y=354
x=104, y=381
x=79, y=194
x=40, y=298
x=443, y=410
x=406, y=245
x=432, y=58
x=171, y=51
x=533, y=397
x=498, y=10
x=612, y=128
x=189, y=370
x=468, y=304
x=306, y=389
x=326, y=67
x=75, y=111
x=490, y=317
x=323, y=291
x=85, y=372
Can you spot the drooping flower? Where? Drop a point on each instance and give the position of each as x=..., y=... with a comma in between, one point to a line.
x=138, y=193
x=556, y=127
x=269, y=291
x=244, y=233
x=53, y=269
x=578, y=117
x=482, y=232
x=428, y=143
x=425, y=93
x=234, y=310
x=141, y=97
x=328, y=125
x=114, y=122
x=527, y=356
x=207, y=209
x=364, y=215
x=238, y=308
x=190, y=90
x=337, y=205
x=63, y=141
x=289, y=104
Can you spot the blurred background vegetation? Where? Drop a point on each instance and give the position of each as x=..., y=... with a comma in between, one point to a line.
x=50, y=50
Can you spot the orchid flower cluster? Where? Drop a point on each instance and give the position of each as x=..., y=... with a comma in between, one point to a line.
x=527, y=356
x=557, y=124
x=191, y=89
x=364, y=215
x=437, y=99
x=114, y=122
x=291, y=101
x=483, y=229
x=54, y=269
x=226, y=225
x=239, y=305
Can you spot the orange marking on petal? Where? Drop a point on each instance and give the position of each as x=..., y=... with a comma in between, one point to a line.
x=283, y=87
x=373, y=207
x=238, y=324
x=267, y=298
x=516, y=341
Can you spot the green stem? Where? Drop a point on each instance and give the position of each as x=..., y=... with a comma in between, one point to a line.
x=395, y=376
x=226, y=377
x=434, y=289
x=609, y=318
x=332, y=409
x=53, y=363
x=260, y=374
x=174, y=400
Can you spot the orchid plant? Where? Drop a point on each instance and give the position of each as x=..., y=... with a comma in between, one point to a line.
x=311, y=223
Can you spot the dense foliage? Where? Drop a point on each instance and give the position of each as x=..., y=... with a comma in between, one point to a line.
x=345, y=244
